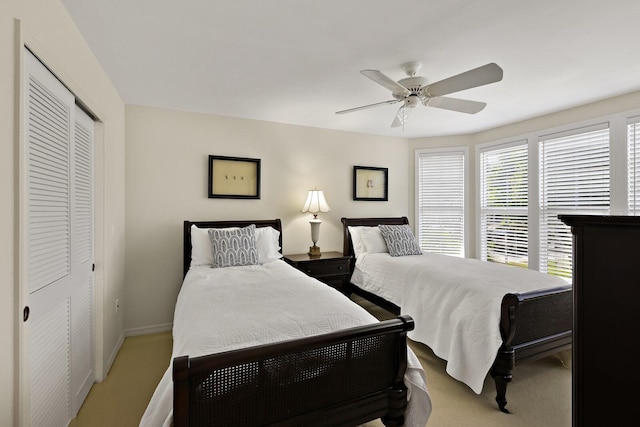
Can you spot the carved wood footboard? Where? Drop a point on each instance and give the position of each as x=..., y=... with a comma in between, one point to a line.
x=346, y=378
x=532, y=325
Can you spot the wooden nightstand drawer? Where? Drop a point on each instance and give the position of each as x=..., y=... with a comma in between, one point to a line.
x=331, y=268
x=326, y=268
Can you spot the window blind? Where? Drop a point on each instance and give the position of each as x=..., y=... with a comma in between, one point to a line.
x=441, y=193
x=504, y=204
x=574, y=179
x=633, y=165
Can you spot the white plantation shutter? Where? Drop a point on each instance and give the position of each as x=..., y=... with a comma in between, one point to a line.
x=574, y=179
x=633, y=165
x=503, y=204
x=441, y=195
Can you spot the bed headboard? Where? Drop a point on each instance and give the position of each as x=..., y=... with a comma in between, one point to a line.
x=275, y=223
x=347, y=245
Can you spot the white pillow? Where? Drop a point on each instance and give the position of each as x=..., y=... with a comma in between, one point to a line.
x=267, y=242
x=356, y=240
x=373, y=241
x=267, y=239
x=201, y=251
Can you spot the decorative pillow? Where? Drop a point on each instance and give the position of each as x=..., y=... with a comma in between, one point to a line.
x=400, y=240
x=234, y=247
x=267, y=243
x=373, y=241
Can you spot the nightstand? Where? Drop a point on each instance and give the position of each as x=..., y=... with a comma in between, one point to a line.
x=331, y=268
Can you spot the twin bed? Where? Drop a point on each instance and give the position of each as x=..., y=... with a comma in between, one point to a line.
x=480, y=317
x=264, y=344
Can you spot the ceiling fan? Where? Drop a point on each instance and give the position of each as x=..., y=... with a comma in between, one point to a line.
x=414, y=90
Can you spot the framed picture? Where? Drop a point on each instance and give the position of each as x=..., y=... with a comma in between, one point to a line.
x=370, y=183
x=234, y=178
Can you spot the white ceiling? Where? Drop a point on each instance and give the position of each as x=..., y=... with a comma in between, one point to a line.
x=299, y=61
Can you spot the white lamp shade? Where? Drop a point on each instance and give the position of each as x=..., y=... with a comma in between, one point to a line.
x=316, y=202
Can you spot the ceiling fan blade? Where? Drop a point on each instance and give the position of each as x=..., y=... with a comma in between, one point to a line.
x=401, y=116
x=455, y=104
x=385, y=81
x=480, y=76
x=364, y=107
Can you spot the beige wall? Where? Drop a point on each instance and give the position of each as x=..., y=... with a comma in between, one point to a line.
x=45, y=26
x=166, y=169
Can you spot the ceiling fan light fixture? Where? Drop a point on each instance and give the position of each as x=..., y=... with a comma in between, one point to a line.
x=411, y=101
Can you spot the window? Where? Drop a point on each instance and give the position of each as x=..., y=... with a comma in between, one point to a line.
x=504, y=204
x=522, y=185
x=633, y=165
x=574, y=179
x=441, y=200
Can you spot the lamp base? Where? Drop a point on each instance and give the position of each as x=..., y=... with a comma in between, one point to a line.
x=314, y=251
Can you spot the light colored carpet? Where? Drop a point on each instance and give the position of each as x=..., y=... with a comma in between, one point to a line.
x=539, y=395
x=121, y=399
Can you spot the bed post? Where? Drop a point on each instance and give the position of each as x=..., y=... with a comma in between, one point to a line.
x=506, y=358
x=181, y=391
x=501, y=374
x=398, y=395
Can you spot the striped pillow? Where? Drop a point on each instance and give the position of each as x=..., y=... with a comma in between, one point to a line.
x=400, y=240
x=234, y=247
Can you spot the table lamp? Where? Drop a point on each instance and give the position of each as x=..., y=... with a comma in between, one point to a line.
x=315, y=203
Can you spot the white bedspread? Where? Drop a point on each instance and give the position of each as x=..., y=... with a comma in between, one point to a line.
x=455, y=303
x=221, y=309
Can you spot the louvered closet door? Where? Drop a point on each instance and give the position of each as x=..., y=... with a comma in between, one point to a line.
x=59, y=152
x=82, y=345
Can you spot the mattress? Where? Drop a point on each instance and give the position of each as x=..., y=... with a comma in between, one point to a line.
x=220, y=309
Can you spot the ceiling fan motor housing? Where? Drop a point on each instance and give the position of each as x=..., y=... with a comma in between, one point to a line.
x=414, y=84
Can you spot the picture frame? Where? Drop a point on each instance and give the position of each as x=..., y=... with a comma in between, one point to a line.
x=370, y=183
x=234, y=177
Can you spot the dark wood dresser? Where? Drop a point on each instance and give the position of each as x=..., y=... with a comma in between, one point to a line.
x=606, y=319
x=331, y=268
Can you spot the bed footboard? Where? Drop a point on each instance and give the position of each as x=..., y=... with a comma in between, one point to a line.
x=346, y=377
x=532, y=325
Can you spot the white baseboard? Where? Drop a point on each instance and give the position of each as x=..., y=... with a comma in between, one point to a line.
x=134, y=332
x=148, y=330
x=114, y=353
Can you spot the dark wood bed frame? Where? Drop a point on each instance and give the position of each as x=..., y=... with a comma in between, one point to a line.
x=343, y=378
x=532, y=324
